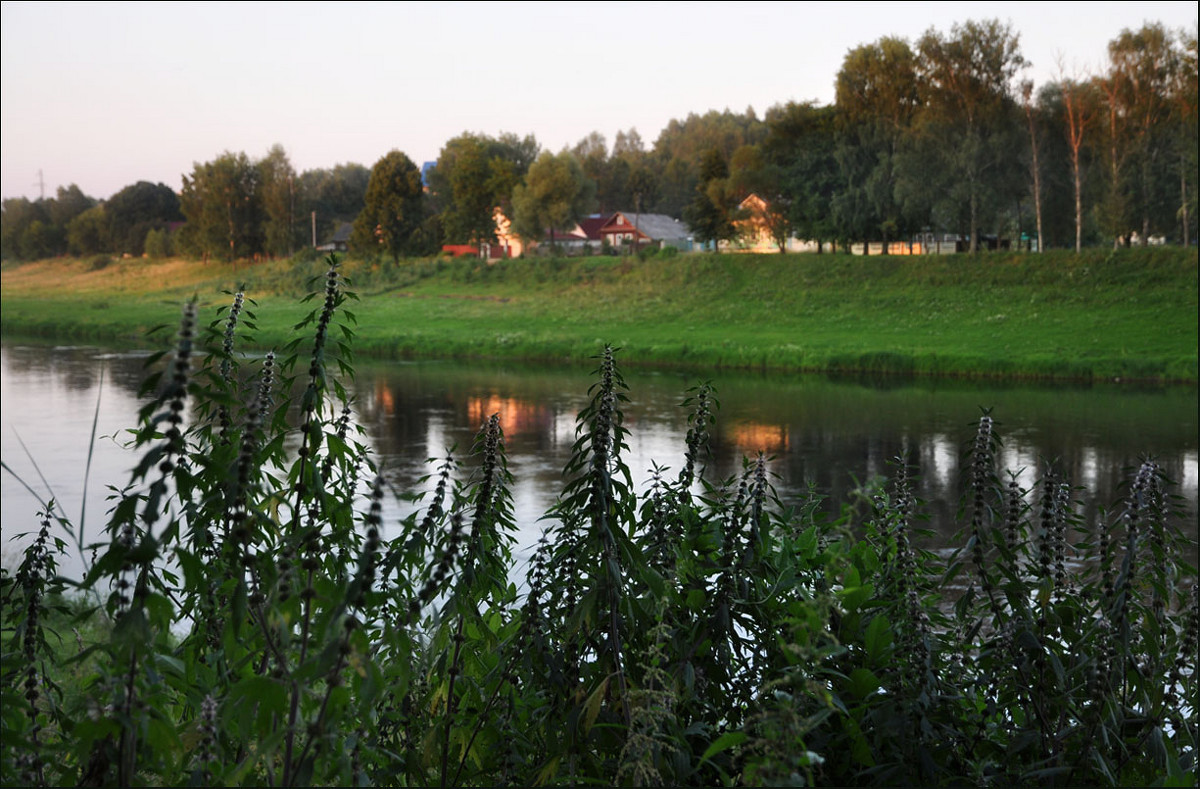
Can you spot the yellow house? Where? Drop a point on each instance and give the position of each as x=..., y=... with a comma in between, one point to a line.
x=754, y=230
x=507, y=245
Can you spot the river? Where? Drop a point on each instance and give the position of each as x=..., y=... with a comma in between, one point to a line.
x=829, y=434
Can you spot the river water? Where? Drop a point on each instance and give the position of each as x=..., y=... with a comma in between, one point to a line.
x=830, y=434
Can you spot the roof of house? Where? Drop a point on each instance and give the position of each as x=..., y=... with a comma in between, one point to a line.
x=754, y=203
x=654, y=226
x=344, y=231
x=591, y=225
x=565, y=234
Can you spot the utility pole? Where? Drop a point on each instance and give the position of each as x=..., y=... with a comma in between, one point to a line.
x=314, y=229
x=41, y=185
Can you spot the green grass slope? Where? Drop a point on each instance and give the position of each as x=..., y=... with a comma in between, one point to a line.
x=1100, y=315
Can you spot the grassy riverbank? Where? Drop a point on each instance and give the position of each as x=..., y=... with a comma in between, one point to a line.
x=1102, y=315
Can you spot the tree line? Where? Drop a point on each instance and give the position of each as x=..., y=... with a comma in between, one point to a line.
x=228, y=206
x=938, y=135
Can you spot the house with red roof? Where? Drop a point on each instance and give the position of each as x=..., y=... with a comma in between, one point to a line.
x=625, y=228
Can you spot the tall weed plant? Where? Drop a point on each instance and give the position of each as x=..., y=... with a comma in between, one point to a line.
x=262, y=630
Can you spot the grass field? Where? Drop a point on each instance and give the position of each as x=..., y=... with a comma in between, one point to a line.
x=1101, y=315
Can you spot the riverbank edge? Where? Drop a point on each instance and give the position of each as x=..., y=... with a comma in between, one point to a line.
x=697, y=362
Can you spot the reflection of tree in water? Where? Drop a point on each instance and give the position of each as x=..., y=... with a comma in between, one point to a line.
x=838, y=460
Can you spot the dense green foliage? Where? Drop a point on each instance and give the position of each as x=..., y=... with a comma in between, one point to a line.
x=393, y=208
x=132, y=213
x=266, y=627
x=474, y=175
x=710, y=215
x=555, y=194
x=222, y=202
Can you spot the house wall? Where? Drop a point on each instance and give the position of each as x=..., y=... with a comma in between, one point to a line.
x=505, y=238
x=623, y=235
x=765, y=245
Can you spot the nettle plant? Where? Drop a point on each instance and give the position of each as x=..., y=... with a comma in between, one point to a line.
x=259, y=628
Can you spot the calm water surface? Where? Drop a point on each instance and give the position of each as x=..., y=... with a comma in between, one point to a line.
x=829, y=434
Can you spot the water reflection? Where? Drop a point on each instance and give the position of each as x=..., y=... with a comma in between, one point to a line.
x=834, y=435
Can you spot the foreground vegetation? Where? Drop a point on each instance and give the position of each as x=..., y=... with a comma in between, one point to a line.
x=1101, y=315
x=264, y=630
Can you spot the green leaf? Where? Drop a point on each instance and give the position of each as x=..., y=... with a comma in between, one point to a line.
x=878, y=638
x=547, y=772
x=264, y=694
x=594, y=702
x=726, y=741
x=853, y=597
x=863, y=682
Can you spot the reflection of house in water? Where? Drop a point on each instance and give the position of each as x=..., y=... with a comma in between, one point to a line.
x=752, y=437
x=516, y=416
x=383, y=396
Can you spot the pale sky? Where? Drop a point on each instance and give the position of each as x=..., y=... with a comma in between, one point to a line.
x=107, y=94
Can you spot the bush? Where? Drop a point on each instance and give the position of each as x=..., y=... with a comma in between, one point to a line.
x=694, y=633
x=306, y=255
x=158, y=243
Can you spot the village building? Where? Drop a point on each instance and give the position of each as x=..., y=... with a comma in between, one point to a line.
x=754, y=230
x=340, y=241
x=592, y=234
x=506, y=243
x=628, y=228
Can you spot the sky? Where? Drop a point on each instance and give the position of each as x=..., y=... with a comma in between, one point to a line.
x=107, y=94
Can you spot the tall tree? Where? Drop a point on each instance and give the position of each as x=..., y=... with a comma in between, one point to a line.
x=136, y=210
x=394, y=209
x=877, y=99
x=1142, y=68
x=681, y=145
x=474, y=175
x=521, y=151
x=41, y=240
x=592, y=153
x=1184, y=110
x=628, y=180
x=19, y=214
x=1114, y=210
x=800, y=174
x=1080, y=106
x=38, y=229
x=712, y=213
x=222, y=204
x=68, y=203
x=628, y=143
x=334, y=195
x=277, y=185
x=1035, y=164
x=87, y=233
x=968, y=113
x=555, y=194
